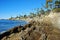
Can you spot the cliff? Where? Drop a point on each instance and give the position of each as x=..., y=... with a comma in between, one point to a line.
x=45, y=28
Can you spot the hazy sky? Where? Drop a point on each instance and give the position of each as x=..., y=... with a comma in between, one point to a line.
x=13, y=8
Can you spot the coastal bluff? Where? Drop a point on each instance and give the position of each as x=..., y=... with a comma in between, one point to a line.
x=32, y=31
x=42, y=29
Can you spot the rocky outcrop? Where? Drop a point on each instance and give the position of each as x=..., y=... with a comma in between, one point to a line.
x=32, y=31
x=43, y=29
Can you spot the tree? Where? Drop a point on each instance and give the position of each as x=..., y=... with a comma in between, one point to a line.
x=32, y=14
x=42, y=11
x=53, y=4
x=57, y=4
x=17, y=16
x=47, y=2
x=37, y=12
x=25, y=16
x=50, y=2
x=11, y=18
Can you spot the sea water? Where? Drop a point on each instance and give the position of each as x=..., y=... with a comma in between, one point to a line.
x=8, y=24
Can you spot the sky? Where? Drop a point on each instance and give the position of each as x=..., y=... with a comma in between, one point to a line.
x=14, y=8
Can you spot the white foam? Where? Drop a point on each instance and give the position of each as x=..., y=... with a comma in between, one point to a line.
x=2, y=32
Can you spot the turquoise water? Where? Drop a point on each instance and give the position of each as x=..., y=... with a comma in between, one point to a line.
x=8, y=24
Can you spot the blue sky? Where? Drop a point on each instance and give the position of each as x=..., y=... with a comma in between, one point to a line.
x=13, y=8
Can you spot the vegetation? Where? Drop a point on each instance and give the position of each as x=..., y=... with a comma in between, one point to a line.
x=31, y=15
x=45, y=28
x=11, y=18
x=51, y=5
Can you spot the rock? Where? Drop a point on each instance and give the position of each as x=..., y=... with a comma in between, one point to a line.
x=43, y=29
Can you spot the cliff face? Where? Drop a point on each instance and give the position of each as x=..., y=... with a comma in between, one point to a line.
x=42, y=29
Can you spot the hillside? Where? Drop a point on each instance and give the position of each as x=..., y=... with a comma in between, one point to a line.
x=44, y=28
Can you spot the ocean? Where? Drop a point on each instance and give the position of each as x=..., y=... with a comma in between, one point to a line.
x=8, y=24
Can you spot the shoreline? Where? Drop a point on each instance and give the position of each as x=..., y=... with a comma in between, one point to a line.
x=37, y=29
x=34, y=28
x=13, y=26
